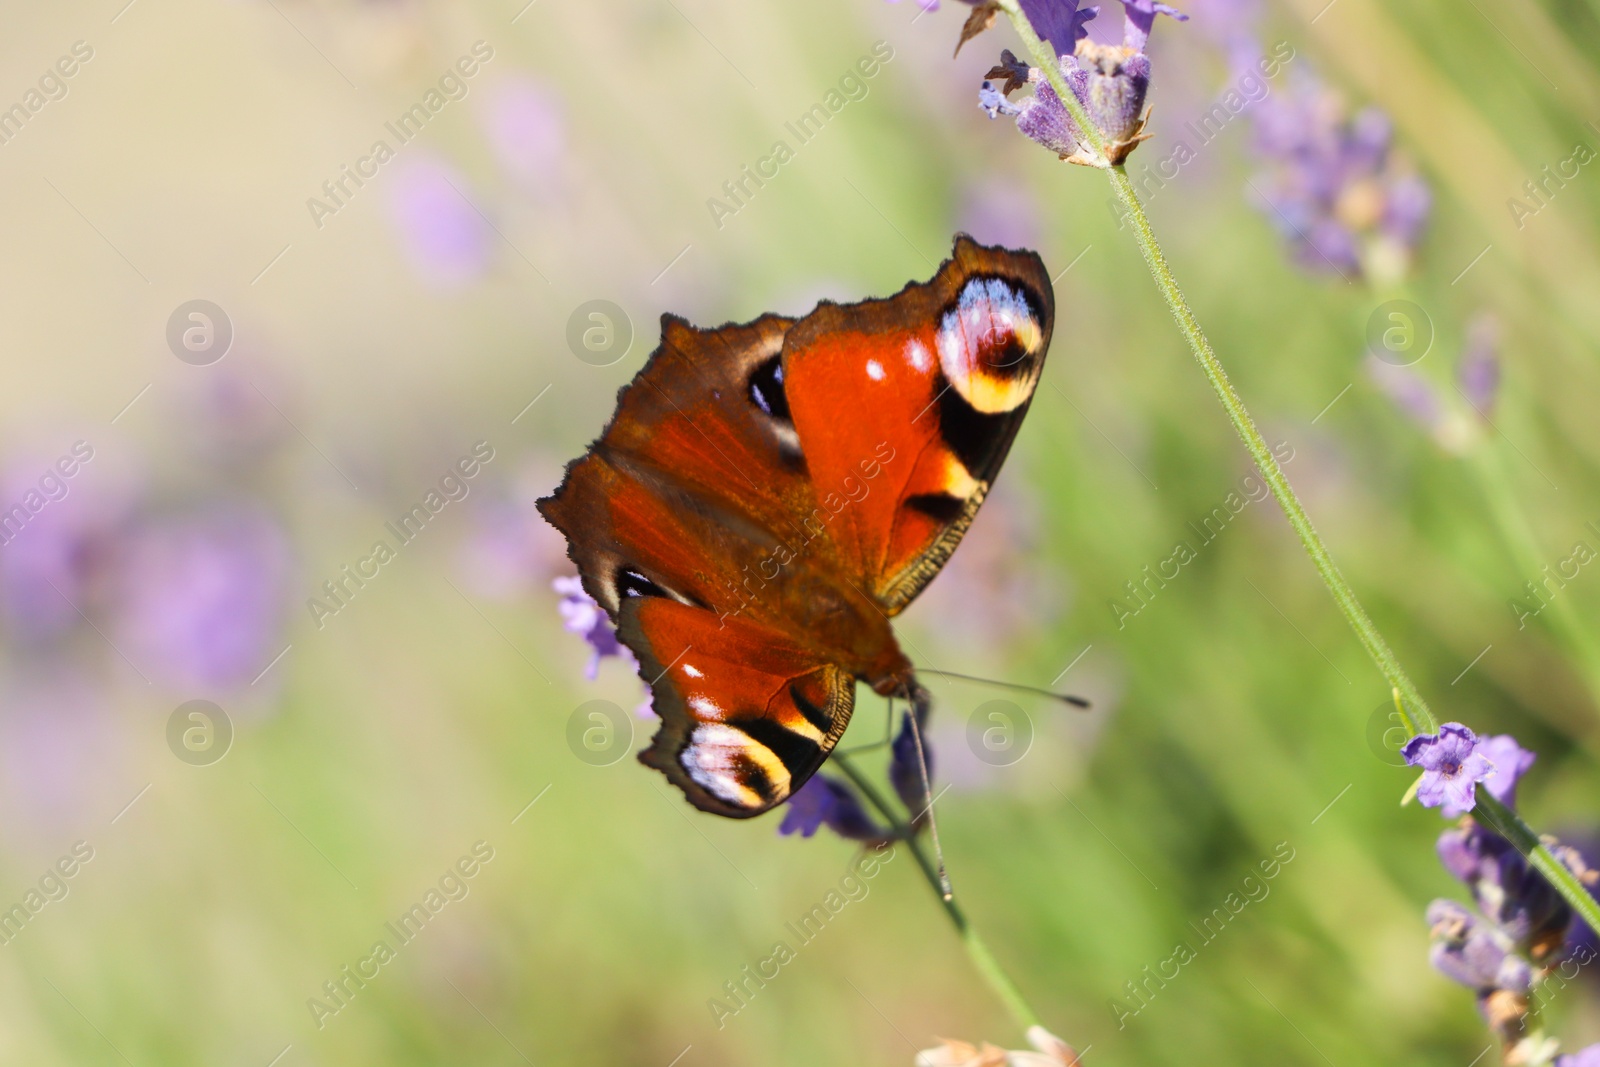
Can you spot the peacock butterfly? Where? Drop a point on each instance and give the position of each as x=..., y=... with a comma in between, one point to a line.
x=769, y=495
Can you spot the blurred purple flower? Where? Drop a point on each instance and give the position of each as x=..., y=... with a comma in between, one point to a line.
x=511, y=550
x=1451, y=765
x=56, y=539
x=1589, y=1057
x=1334, y=186
x=999, y=210
x=1469, y=952
x=526, y=129
x=825, y=802
x=202, y=597
x=905, y=769
x=1511, y=761
x=1411, y=392
x=446, y=237
x=1478, y=372
x=581, y=615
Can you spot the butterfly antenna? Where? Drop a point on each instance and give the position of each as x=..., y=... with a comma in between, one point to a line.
x=1065, y=698
x=919, y=707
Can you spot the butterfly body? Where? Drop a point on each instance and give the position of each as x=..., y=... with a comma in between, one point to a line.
x=770, y=495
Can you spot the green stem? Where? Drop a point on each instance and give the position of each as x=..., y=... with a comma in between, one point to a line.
x=977, y=950
x=1509, y=825
x=1497, y=815
x=1243, y=424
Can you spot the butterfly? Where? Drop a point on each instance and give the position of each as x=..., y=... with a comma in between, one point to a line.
x=768, y=496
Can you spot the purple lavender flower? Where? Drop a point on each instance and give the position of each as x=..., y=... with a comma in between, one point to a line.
x=1478, y=372
x=1511, y=761
x=1139, y=17
x=1471, y=953
x=1411, y=392
x=447, y=239
x=1110, y=82
x=905, y=770
x=523, y=122
x=511, y=551
x=1059, y=22
x=56, y=541
x=1343, y=199
x=581, y=615
x=1451, y=765
x=202, y=597
x=822, y=801
x=1589, y=1057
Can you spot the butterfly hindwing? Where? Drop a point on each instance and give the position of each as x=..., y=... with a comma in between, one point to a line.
x=747, y=715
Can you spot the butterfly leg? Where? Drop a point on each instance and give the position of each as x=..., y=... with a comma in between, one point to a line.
x=920, y=704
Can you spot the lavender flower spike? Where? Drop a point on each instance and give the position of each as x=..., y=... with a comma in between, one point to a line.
x=1451, y=767
x=582, y=616
x=1109, y=81
x=825, y=802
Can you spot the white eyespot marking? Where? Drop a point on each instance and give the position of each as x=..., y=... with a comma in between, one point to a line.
x=692, y=671
x=713, y=757
x=918, y=356
x=990, y=346
x=874, y=370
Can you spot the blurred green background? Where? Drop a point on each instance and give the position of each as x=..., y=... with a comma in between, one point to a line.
x=376, y=344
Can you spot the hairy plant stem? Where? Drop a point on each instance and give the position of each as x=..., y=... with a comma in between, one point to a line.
x=1418, y=717
x=977, y=950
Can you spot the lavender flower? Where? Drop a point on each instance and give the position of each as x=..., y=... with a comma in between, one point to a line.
x=1344, y=200
x=1589, y=1057
x=202, y=597
x=905, y=770
x=524, y=125
x=56, y=542
x=1478, y=371
x=822, y=801
x=581, y=615
x=1452, y=767
x=447, y=239
x=1109, y=81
